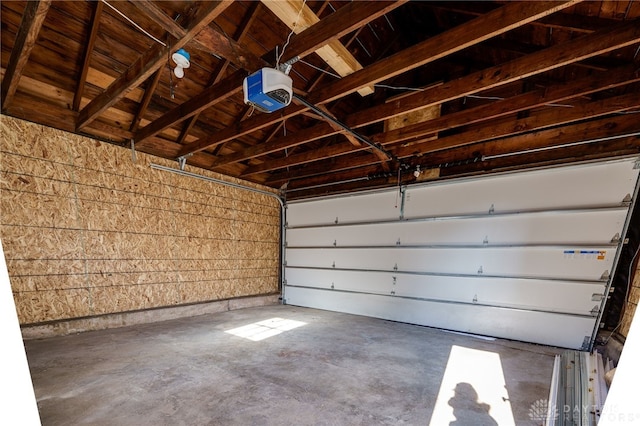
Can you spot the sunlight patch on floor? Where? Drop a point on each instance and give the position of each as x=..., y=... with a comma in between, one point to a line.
x=473, y=388
x=265, y=329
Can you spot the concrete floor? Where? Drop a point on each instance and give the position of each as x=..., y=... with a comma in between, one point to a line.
x=336, y=369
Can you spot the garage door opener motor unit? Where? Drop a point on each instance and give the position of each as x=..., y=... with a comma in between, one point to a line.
x=268, y=90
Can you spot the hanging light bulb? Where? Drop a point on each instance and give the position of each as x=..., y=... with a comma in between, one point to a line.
x=181, y=58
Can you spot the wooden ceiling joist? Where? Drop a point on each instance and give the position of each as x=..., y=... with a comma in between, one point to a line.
x=593, y=44
x=497, y=22
x=93, y=33
x=146, y=65
x=530, y=125
x=298, y=17
x=341, y=22
x=494, y=23
x=32, y=20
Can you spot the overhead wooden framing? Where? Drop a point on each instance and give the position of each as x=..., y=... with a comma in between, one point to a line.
x=32, y=20
x=494, y=23
x=146, y=65
x=491, y=69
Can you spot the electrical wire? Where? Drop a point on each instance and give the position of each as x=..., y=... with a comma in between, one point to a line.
x=278, y=57
x=318, y=68
x=626, y=297
x=134, y=24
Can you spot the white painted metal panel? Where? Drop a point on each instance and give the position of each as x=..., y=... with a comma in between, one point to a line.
x=554, y=296
x=532, y=326
x=522, y=256
x=372, y=206
x=535, y=228
x=578, y=186
x=584, y=263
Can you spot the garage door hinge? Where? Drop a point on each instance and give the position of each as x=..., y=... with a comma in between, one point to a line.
x=615, y=239
x=336, y=221
x=332, y=286
x=333, y=265
x=596, y=297
x=636, y=165
x=335, y=243
x=486, y=240
x=398, y=242
x=605, y=275
x=626, y=200
x=492, y=209
x=594, y=312
x=480, y=271
x=395, y=267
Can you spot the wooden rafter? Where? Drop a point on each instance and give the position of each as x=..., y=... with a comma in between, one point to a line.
x=565, y=53
x=494, y=23
x=219, y=72
x=146, y=65
x=298, y=17
x=32, y=19
x=532, y=124
x=95, y=24
x=146, y=99
x=333, y=26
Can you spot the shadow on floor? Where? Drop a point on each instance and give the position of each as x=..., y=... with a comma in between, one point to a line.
x=467, y=408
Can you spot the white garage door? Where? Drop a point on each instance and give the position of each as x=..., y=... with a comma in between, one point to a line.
x=524, y=256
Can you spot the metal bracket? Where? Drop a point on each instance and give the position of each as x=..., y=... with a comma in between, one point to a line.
x=475, y=298
x=395, y=267
x=395, y=279
x=393, y=292
x=336, y=221
x=335, y=243
x=585, y=343
x=486, y=240
x=133, y=151
x=492, y=209
x=480, y=271
x=616, y=238
x=595, y=311
x=398, y=242
x=626, y=200
x=334, y=264
x=636, y=165
x=605, y=275
x=403, y=194
x=182, y=162
x=596, y=297
x=332, y=286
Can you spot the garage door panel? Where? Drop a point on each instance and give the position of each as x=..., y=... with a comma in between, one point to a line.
x=555, y=296
x=378, y=206
x=604, y=184
x=496, y=322
x=527, y=255
x=539, y=228
x=358, y=281
x=583, y=263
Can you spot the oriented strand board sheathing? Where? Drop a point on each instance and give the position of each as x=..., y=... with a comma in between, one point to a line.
x=632, y=306
x=87, y=231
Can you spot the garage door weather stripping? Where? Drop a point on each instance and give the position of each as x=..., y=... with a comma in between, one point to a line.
x=527, y=255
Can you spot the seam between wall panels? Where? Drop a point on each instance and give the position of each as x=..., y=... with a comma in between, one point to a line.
x=83, y=229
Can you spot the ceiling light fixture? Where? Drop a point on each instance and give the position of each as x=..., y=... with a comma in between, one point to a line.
x=182, y=60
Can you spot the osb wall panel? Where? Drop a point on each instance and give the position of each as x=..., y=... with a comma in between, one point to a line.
x=87, y=231
x=632, y=305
